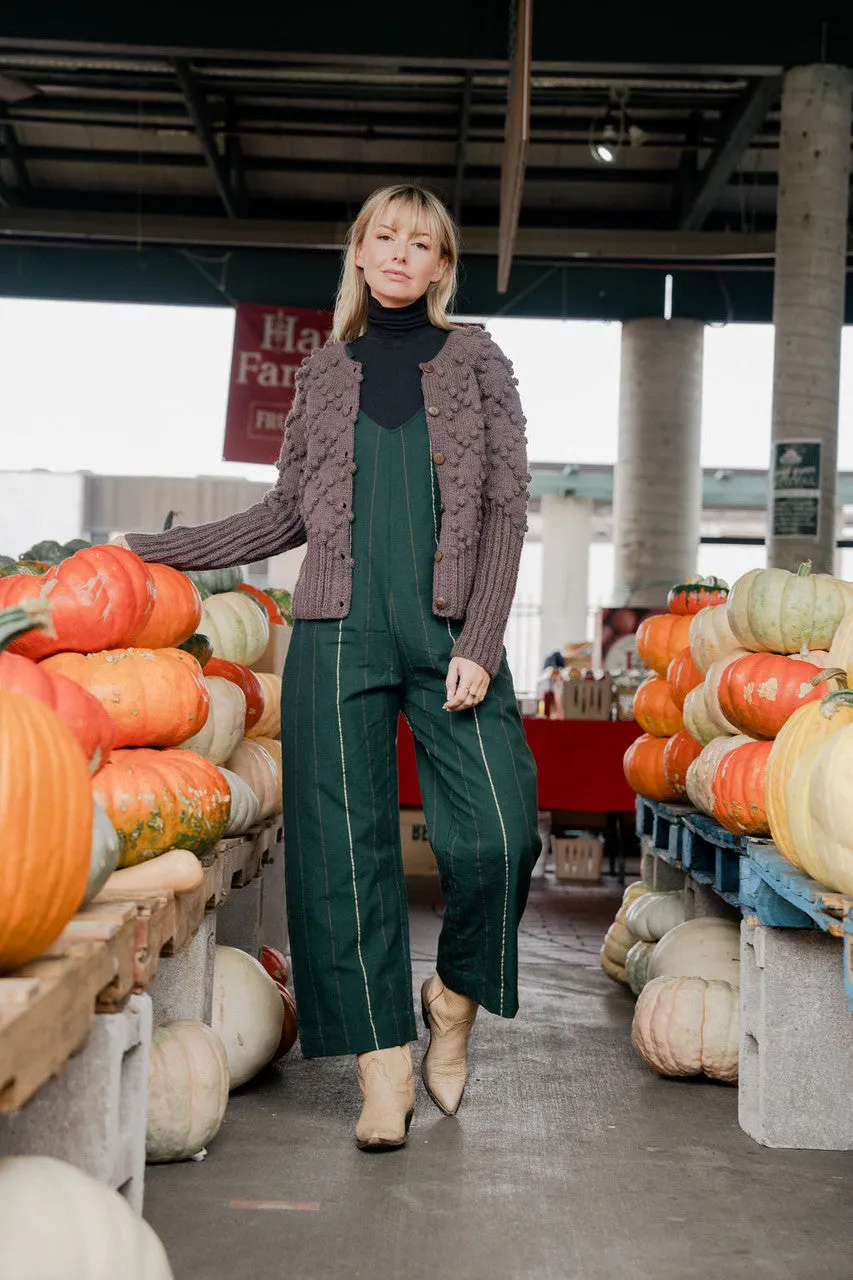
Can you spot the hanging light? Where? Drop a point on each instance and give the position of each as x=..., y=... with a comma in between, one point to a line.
x=606, y=136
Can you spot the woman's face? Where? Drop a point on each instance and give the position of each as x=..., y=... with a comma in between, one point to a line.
x=399, y=259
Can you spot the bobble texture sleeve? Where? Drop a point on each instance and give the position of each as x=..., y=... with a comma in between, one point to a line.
x=504, y=524
x=271, y=526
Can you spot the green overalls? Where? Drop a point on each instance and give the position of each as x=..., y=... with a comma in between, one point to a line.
x=345, y=683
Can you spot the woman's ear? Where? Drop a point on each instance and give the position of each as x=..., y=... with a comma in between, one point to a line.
x=441, y=269
x=359, y=254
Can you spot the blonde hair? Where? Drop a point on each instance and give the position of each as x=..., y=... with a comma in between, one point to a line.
x=353, y=293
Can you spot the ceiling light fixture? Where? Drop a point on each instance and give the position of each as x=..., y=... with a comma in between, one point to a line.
x=612, y=129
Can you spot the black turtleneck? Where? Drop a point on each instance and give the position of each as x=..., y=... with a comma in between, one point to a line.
x=397, y=341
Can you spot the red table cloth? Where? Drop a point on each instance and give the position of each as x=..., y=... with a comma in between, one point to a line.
x=579, y=764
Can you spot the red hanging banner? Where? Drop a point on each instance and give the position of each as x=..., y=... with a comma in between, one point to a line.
x=270, y=344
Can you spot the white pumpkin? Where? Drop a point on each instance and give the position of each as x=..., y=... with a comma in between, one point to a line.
x=237, y=627
x=226, y=719
x=782, y=612
x=269, y=725
x=711, y=636
x=105, y=854
x=637, y=965
x=188, y=1084
x=700, y=773
x=654, y=914
x=697, y=722
x=635, y=890
x=58, y=1223
x=707, y=947
x=687, y=1027
x=245, y=805
x=711, y=688
x=255, y=765
x=248, y=1014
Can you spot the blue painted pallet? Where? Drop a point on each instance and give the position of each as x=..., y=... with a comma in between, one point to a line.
x=712, y=855
x=661, y=825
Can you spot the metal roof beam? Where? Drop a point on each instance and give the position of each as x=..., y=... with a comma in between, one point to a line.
x=15, y=153
x=462, y=144
x=740, y=128
x=197, y=111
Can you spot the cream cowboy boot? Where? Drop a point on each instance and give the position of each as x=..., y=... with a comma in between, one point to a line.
x=450, y=1018
x=388, y=1087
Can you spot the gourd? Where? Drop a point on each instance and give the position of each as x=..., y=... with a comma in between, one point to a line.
x=700, y=774
x=254, y=764
x=707, y=947
x=654, y=710
x=176, y=612
x=711, y=637
x=759, y=692
x=697, y=722
x=265, y=600
x=104, y=856
x=637, y=965
x=247, y=1013
x=238, y=629
x=661, y=638
x=248, y=681
x=679, y=753
x=159, y=800
x=226, y=719
x=100, y=598
x=682, y=675
x=154, y=697
x=269, y=725
x=654, y=914
x=245, y=805
x=176, y=869
x=695, y=594
x=188, y=1085
x=618, y=941
x=784, y=612
x=644, y=769
x=56, y=1221
x=46, y=825
x=738, y=789
x=688, y=1027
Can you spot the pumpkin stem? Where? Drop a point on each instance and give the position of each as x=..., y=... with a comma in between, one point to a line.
x=805, y=569
x=830, y=704
x=23, y=617
x=170, y=519
x=830, y=673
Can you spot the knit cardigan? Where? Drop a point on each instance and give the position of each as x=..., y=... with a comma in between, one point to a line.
x=476, y=429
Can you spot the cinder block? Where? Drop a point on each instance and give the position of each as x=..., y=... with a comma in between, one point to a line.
x=701, y=901
x=238, y=920
x=94, y=1114
x=660, y=875
x=273, y=902
x=183, y=984
x=796, y=1044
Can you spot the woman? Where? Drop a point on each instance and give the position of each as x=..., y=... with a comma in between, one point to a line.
x=404, y=469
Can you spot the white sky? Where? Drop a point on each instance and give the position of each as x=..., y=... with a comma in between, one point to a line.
x=141, y=389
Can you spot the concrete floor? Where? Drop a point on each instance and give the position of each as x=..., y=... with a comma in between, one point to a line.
x=568, y=1159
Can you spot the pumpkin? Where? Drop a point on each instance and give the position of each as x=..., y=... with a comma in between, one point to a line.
x=711, y=636
x=225, y=723
x=701, y=773
x=697, y=722
x=176, y=612
x=104, y=856
x=275, y=964
x=282, y=599
x=618, y=941
x=695, y=594
x=637, y=965
x=707, y=947
x=46, y=826
x=759, y=692
x=238, y=629
x=159, y=800
x=801, y=849
x=273, y=746
x=217, y=581
x=87, y=719
x=290, y=1026
x=841, y=649
x=254, y=764
x=635, y=890
x=248, y=681
x=269, y=725
x=712, y=691
x=812, y=723
x=100, y=598
x=682, y=675
x=187, y=1090
x=661, y=638
x=199, y=646
x=55, y=1220
x=738, y=789
x=827, y=851
x=782, y=612
x=644, y=769
x=654, y=709
x=679, y=753
x=176, y=869
x=245, y=805
x=154, y=697
x=654, y=914
x=688, y=1027
x=266, y=602
x=248, y=1015
x=47, y=552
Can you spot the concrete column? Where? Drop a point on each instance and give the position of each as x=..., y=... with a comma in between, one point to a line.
x=566, y=538
x=808, y=311
x=657, y=493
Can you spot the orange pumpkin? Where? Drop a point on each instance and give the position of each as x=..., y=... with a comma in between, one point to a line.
x=759, y=692
x=661, y=638
x=654, y=709
x=176, y=613
x=159, y=800
x=644, y=769
x=154, y=697
x=682, y=675
x=46, y=824
x=696, y=594
x=680, y=752
x=738, y=788
x=269, y=606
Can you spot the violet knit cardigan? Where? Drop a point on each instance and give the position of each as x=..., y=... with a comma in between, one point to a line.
x=476, y=429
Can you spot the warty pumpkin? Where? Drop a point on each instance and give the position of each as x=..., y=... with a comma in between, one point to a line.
x=782, y=612
x=682, y=675
x=661, y=638
x=688, y=1027
x=759, y=692
x=679, y=753
x=711, y=637
x=654, y=709
x=237, y=627
x=176, y=612
x=738, y=789
x=644, y=769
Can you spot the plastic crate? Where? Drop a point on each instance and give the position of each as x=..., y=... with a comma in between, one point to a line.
x=578, y=856
x=587, y=699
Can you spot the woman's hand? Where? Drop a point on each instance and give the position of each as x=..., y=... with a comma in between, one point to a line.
x=120, y=541
x=466, y=684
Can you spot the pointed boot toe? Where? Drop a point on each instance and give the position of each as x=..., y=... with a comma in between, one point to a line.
x=449, y=1018
x=388, y=1088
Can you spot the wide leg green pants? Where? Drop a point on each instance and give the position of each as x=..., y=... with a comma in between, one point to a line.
x=345, y=683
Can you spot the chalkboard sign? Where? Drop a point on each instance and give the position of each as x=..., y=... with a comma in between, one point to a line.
x=796, y=465
x=795, y=517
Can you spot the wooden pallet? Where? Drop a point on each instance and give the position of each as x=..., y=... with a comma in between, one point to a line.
x=661, y=824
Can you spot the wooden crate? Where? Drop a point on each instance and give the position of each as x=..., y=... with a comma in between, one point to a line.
x=579, y=857
x=587, y=699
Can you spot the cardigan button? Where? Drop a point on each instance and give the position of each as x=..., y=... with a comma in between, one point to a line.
x=428, y=368
x=437, y=556
x=441, y=603
x=438, y=459
x=433, y=411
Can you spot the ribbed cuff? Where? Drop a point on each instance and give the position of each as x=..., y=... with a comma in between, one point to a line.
x=482, y=636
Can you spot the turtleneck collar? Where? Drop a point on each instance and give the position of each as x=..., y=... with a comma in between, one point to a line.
x=396, y=321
